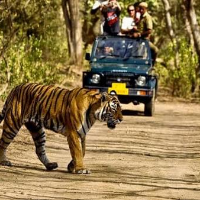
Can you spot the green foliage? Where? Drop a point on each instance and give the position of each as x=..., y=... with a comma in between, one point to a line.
x=25, y=64
x=180, y=79
x=33, y=48
x=33, y=45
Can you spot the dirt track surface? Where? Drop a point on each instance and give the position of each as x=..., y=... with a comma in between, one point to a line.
x=144, y=158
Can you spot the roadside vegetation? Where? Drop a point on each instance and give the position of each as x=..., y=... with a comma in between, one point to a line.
x=45, y=41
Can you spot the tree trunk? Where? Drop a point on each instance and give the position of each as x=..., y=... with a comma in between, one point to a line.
x=168, y=20
x=171, y=35
x=72, y=16
x=191, y=15
x=188, y=28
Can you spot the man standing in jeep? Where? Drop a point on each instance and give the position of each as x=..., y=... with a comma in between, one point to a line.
x=111, y=13
x=145, y=28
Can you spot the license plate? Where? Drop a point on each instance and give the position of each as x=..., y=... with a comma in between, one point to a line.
x=119, y=88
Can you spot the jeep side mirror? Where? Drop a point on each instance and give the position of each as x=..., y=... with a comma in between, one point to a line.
x=87, y=56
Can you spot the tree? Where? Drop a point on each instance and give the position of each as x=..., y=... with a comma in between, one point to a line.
x=192, y=19
x=30, y=51
x=72, y=16
x=33, y=40
x=171, y=34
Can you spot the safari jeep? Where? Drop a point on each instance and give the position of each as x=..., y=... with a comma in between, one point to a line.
x=123, y=66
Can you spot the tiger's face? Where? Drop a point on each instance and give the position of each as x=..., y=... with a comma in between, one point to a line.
x=110, y=111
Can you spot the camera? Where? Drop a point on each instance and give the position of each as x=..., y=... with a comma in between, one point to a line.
x=111, y=4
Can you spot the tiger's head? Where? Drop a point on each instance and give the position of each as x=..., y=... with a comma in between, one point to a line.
x=110, y=110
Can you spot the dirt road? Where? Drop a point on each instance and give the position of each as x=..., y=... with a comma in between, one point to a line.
x=144, y=158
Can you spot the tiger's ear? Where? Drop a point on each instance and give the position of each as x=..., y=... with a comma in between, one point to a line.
x=95, y=93
x=104, y=97
x=101, y=96
x=98, y=96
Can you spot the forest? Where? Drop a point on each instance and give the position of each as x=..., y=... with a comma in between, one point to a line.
x=45, y=41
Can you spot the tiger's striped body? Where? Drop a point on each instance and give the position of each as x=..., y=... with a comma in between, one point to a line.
x=69, y=112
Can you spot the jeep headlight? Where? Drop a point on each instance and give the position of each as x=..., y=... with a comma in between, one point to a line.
x=141, y=81
x=95, y=78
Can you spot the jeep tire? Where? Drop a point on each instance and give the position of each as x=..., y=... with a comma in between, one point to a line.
x=149, y=107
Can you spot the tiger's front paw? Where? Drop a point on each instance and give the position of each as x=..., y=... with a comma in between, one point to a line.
x=83, y=171
x=51, y=166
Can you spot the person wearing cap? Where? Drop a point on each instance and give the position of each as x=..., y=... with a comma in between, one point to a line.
x=128, y=22
x=145, y=24
x=145, y=28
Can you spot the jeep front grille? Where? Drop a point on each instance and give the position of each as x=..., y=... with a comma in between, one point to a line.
x=119, y=78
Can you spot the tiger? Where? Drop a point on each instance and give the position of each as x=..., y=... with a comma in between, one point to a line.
x=71, y=113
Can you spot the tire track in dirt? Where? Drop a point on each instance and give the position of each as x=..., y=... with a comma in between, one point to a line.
x=144, y=158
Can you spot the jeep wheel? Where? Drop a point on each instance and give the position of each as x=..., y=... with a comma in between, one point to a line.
x=149, y=107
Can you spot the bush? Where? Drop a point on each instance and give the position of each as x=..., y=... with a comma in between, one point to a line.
x=181, y=79
x=27, y=62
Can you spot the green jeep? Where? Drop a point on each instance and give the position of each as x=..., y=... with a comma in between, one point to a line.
x=123, y=66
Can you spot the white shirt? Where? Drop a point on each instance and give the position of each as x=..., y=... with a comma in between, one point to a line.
x=127, y=23
x=98, y=3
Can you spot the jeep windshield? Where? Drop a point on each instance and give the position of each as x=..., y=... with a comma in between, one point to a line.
x=122, y=48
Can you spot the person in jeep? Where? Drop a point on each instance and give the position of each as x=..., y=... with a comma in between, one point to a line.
x=145, y=27
x=111, y=13
x=128, y=22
